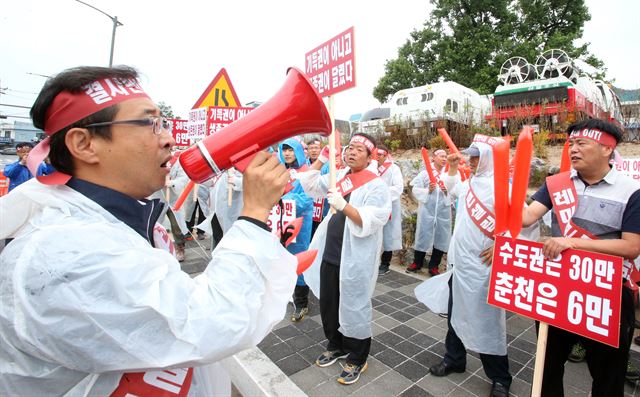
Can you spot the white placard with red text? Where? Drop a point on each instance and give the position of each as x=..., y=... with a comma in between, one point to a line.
x=630, y=167
x=331, y=66
x=180, y=132
x=281, y=216
x=197, y=124
x=318, y=209
x=219, y=117
x=579, y=292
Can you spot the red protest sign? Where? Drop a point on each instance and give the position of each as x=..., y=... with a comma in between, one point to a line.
x=219, y=117
x=180, y=132
x=331, y=66
x=580, y=292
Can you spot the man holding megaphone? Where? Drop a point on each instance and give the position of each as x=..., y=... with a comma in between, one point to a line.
x=89, y=305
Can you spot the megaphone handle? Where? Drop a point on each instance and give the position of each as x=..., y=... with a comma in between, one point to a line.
x=241, y=160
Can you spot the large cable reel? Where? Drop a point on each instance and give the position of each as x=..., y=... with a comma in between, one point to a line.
x=516, y=70
x=555, y=63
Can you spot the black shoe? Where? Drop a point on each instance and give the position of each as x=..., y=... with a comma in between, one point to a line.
x=383, y=269
x=443, y=369
x=499, y=390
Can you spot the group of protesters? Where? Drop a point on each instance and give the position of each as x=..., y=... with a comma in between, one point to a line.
x=94, y=301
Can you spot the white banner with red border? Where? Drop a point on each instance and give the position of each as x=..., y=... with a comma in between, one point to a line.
x=580, y=291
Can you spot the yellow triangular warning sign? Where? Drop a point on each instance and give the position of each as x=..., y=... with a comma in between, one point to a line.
x=220, y=92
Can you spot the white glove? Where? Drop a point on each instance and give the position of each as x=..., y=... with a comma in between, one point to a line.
x=323, y=157
x=336, y=200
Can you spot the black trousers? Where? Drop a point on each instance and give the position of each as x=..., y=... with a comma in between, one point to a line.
x=436, y=258
x=301, y=296
x=386, y=258
x=358, y=349
x=197, y=211
x=495, y=367
x=607, y=365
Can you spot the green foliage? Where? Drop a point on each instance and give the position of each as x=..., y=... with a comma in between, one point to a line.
x=165, y=110
x=436, y=143
x=393, y=144
x=467, y=42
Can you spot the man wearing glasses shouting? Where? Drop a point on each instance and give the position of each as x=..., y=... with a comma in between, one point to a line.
x=90, y=306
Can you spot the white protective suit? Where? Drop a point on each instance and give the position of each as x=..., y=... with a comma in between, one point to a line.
x=392, y=231
x=433, y=225
x=361, y=249
x=480, y=326
x=220, y=199
x=179, y=180
x=86, y=298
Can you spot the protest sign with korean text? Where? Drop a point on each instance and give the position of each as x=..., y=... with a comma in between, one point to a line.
x=180, y=132
x=219, y=117
x=197, y=124
x=281, y=216
x=630, y=167
x=331, y=66
x=579, y=291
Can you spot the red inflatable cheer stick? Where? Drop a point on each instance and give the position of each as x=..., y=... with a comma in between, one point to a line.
x=524, y=150
x=565, y=161
x=427, y=165
x=184, y=195
x=501, y=185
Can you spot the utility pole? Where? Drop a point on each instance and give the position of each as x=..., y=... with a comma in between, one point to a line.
x=116, y=23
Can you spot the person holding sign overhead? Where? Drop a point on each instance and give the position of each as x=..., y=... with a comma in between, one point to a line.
x=349, y=243
x=595, y=208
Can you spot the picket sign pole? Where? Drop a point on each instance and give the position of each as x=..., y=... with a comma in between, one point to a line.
x=541, y=349
x=332, y=149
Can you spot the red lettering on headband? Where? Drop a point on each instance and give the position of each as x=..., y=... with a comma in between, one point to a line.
x=364, y=141
x=68, y=108
x=599, y=136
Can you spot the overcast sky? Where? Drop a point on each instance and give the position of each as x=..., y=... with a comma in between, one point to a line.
x=179, y=46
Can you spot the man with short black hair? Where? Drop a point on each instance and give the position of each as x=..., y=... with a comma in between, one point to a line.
x=349, y=244
x=606, y=219
x=91, y=303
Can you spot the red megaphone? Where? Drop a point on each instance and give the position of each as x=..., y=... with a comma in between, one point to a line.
x=295, y=109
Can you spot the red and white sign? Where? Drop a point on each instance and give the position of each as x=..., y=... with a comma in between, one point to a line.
x=318, y=209
x=281, y=216
x=219, y=117
x=331, y=66
x=630, y=167
x=197, y=124
x=579, y=291
x=180, y=132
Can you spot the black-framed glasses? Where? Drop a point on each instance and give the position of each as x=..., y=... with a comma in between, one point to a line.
x=157, y=123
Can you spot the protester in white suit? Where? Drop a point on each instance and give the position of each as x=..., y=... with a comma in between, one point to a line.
x=90, y=306
x=349, y=244
x=392, y=233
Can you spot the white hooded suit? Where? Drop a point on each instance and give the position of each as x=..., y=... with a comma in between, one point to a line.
x=85, y=298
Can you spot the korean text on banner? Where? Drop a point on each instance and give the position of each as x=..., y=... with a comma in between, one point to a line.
x=331, y=66
x=180, y=132
x=219, y=117
x=630, y=167
x=281, y=216
x=197, y=124
x=579, y=292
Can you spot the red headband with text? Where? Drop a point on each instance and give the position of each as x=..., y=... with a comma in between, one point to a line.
x=68, y=108
x=601, y=137
x=363, y=140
